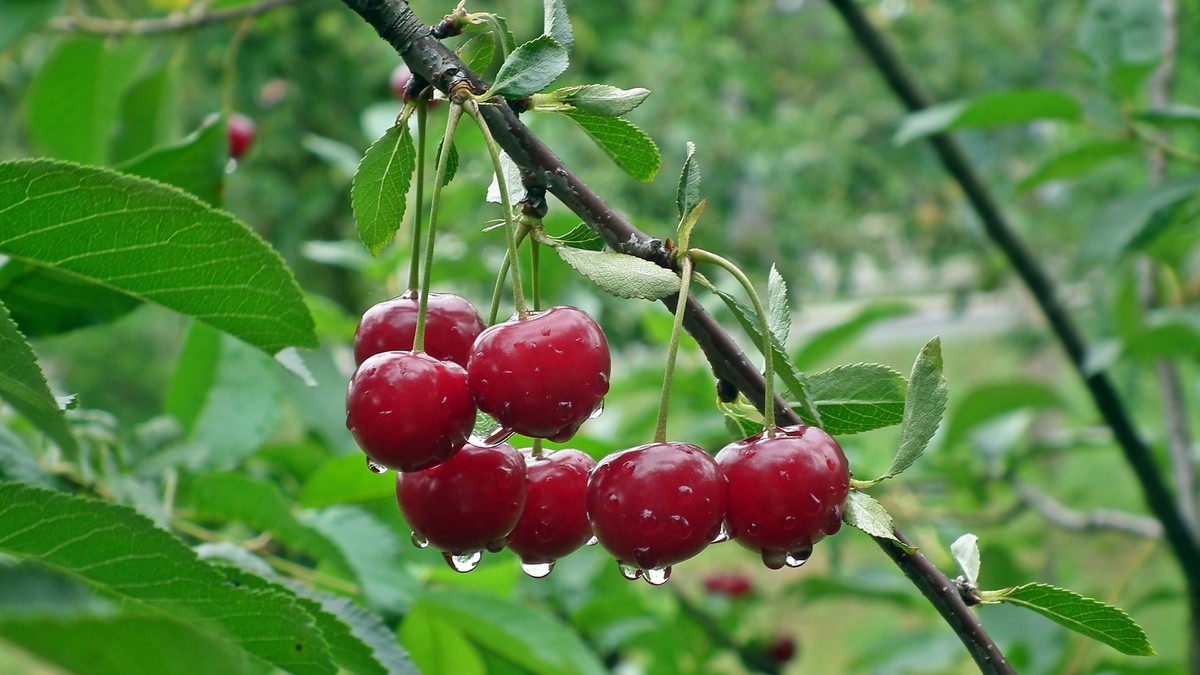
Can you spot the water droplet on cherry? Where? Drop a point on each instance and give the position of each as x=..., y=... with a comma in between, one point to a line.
x=722, y=535
x=657, y=576
x=537, y=570
x=463, y=562
x=629, y=571
x=774, y=559
x=592, y=542
x=599, y=409
x=375, y=468
x=496, y=437
x=798, y=557
x=419, y=541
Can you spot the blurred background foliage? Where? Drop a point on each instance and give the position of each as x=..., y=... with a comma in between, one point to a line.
x=795, y=134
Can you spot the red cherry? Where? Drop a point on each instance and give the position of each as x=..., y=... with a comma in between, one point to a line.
x=408, y=411
x=782, y=649
x=554, y=522
x=785, y=492
x=655, y=505
x=240, y=131
x=398, y=81
x=729, y=584
x=541, y=376
x=451, y=326
x=466, y=504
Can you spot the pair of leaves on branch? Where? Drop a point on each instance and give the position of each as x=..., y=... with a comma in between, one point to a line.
x=1086, y=616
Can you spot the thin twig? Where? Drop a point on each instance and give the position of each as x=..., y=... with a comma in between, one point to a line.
x=753, y=659
x=1098, y=520
x=181, y=21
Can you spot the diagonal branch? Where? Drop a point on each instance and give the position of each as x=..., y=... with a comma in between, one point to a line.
x=1157, y=494
x=429, y=59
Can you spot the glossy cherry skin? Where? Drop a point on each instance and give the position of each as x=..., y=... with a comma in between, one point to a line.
x=451, y=326
x=468, y=503
x=240, y=132
x=541, y=376
x=554, y=522
x=409, y=411
x=785, y=491
x=658, y=504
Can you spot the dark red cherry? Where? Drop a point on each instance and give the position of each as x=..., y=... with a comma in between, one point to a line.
x=240, y=132
x=729, y=584
x=466, y=504
x=782, y=649
x=409, y=411
x=541, y=376
x=554, y=522
x=398, y=81
x=656, y=505
x=785, y=492
x=451, y=326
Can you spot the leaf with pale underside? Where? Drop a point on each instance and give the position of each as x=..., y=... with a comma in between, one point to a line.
x=622, y=275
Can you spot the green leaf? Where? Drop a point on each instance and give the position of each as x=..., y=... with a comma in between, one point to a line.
x=622, y=275
x=129, y=643
x=601, y=100
x=965, y=550
x=147, y=114
x=742, y=419
x=530, y=68
x=989, y=401
x=124, y=556
x=23, y=386
x=581, y=237
x=17, y=463
x=372, y=552
x=43, y=301
x=476, y=53
x=345, y=480
x=626, y=144
x=532, y=640
x=779, y=311
x=557, y=25
x=1085, y=616
x=226, y=395
x=380, y=191
x=232, y=497
x=687, y=194
x=824, y=344
x=794, y=380
x=1168, y=334
x=438, y=646
x=19, y=18
x=1171, y=115
x=1115, y=32
x=862, y=512
x=990, y=110
x=923, y=407
x=857, y=398
x=451, y=161
x=1131, y=219
x=155, y=243
x=1078, y=162
x=71, y=111
x=195, y=164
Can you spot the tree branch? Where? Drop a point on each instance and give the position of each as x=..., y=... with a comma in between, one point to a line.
x=427, y=57
x=1099, y=520
x=169, y=24
x=1157, y=494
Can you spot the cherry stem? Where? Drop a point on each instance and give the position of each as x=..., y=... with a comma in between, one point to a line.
x=536, y=272
x=536, y=449
x=434, y=207
x=702, y=256
x=510, y=227
x=685, y=281
x=498, y=289
x=414, y=265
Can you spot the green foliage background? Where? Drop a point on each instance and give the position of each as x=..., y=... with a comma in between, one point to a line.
x=209, y=438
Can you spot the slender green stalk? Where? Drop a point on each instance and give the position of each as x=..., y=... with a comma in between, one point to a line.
x=414, y=264
x=535, y=267
x=510, y=227
x=685, y=281
x=536, y=449
x=702, y=256
x=434, y=207
x=498, y=289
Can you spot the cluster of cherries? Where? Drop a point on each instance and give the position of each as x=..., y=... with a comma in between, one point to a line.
x=543, y=375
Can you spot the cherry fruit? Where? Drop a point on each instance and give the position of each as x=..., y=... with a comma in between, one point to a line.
x=785, y=492
x=541, y=376
x=239, y=131
x=409, y=411
x=398, y=81
x=729, y=584
x=656, y=505
x=554, y=522
x=782, y=649
x=451, y=326
x=466, y=504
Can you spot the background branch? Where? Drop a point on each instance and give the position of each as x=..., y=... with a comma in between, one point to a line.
x=427, y=57
x=1090, y=521
x=169, y=24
